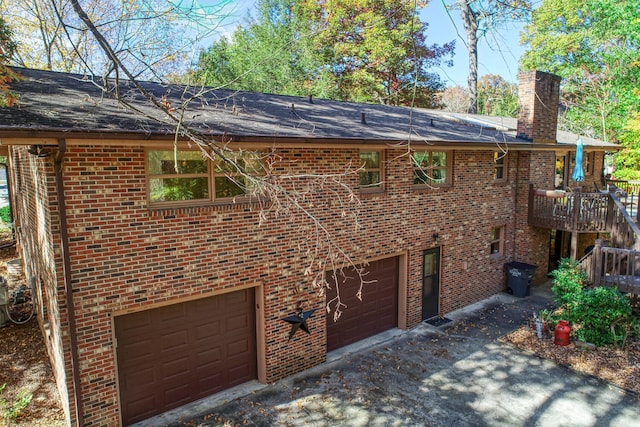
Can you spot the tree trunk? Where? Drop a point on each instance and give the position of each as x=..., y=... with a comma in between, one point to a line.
x=470, y=21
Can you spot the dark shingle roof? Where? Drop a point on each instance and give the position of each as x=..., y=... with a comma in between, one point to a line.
x=52, y=102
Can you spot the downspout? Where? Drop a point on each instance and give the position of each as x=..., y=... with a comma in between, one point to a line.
x=516, y=193
x=68, y=287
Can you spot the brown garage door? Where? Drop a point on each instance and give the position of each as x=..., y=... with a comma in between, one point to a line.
x=173, y=355
x=378, y=310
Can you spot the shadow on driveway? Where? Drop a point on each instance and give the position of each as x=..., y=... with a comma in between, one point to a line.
x=458, y=374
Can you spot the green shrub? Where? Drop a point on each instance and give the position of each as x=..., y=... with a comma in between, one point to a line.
x=602, y=316
x=568, y=281
x=5, y=214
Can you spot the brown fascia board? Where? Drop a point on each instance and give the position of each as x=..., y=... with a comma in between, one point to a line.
x=31, y=136
x=77, y=137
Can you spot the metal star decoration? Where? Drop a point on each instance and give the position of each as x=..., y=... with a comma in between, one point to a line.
x=299, y=321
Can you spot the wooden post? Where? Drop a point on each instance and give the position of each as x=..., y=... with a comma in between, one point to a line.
x=575, y=220
x=574, y=245
x=611, y=206
x=596, y=270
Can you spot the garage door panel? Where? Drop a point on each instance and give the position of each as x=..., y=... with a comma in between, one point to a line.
x=174, y=342
x=176, y=367
x=138, y=321
x=172, y=316
x=204, y=331
x=378, y=310
x=140, y=378
x=237, y=321
x=144, y=406
x=237, y=347
x=178, y=395
x=192, y=351
x=207, y=355
x=238, y=374
x=139, y=351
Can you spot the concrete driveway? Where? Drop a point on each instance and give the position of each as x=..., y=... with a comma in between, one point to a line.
x=458, y=374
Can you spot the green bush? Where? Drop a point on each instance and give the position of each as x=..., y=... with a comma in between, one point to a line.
x=568, y=281
x=602, y=316
x=5, y=214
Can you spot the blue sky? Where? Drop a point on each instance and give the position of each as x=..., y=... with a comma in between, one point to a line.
x=499, y=53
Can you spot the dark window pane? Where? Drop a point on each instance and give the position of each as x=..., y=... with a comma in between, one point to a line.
x=420, y=159
x=225, y=187
x=369, y=179
x=495, y=247
x=439, y=176
x=164, y=162
x=222, y=166
x=439, y=158
x=370, y=159
x=421, y=177
x=176, y=189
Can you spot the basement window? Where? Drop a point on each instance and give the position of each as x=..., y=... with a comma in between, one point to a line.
x=189, y=177
x=496, y=242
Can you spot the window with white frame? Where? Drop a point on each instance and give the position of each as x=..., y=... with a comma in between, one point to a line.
x=189, y=177
x=431, y=168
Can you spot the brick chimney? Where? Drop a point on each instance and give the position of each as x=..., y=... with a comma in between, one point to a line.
x=539, y=97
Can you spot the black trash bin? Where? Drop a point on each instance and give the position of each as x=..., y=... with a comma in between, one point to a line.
x=519, y=275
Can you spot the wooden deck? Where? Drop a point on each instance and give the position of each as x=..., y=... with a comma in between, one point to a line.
x=617, y=264
x=559, y=210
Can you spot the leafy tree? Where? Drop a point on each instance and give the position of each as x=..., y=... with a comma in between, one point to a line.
x=628, y=160
x=52, y=36
x=454, y=99
x=271, y=54
x=480, y=17
x=375, y=50
x=363, y=50
x=497, y=97
x=7, y=75
x=595, y=46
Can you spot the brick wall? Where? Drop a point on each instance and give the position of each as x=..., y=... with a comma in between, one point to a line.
x=126, y=256
x=38, y=234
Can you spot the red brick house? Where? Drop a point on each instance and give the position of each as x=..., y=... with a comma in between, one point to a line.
x=150, y=303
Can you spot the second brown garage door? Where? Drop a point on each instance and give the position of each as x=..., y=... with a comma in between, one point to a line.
x=378, y=310
x=173, y=355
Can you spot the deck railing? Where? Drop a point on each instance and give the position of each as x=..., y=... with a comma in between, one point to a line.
x=630, y=196
x=625, y=233
x=560, y=210
x=607, y=266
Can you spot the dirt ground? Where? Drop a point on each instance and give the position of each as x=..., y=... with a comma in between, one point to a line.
x=24, y=365
x=25, y=368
